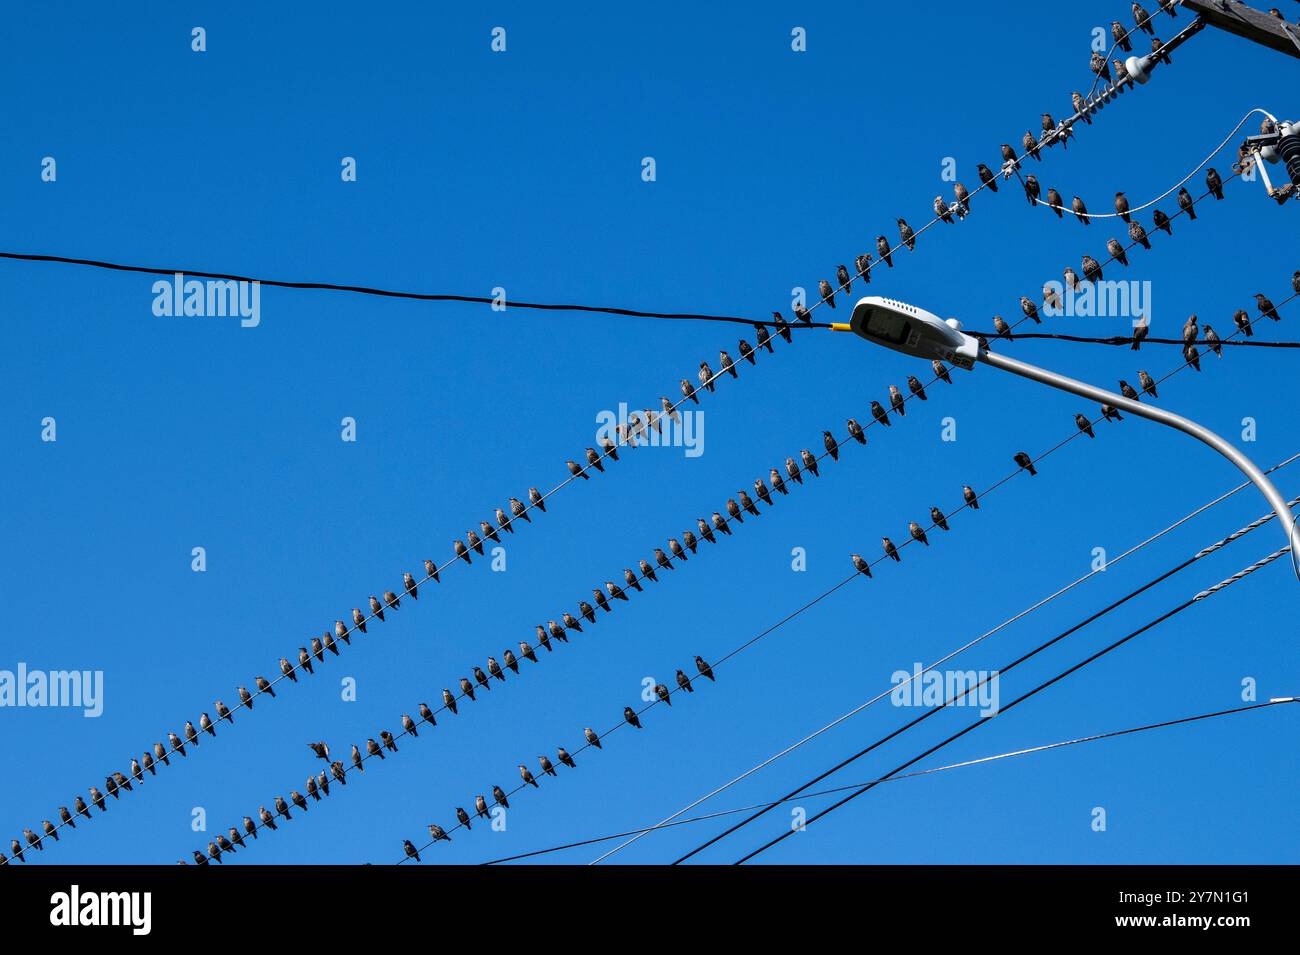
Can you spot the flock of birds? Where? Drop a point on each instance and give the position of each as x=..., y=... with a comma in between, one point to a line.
x=637, y=429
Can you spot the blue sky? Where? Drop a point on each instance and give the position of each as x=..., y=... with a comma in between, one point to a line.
x=523, y=170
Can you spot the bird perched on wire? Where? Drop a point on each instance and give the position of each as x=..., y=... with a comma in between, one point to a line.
x=778, y=483
x=1026, y=462
x=1091, y=269
x=1187, y=203
x=878, y=412
x=1266, y=307
x=1191, y=356
x=1140, y=331
x=1148, y=384
x=941, y=210
x=746, y=354
x=704, y=668
x=896, y=401
x=629, y=715
x=884, y=251
x=1009, y=158
x=1162, y=221
x=1212, y=341
x=856, y=432
x=1003, y=329
x=734, y=510
x=890, y=550
x=526, y=775
x=827, y=293
x=918, y=533
x=1056, y=203
x=565, y=758
x=940, y=371
x=907, y=235
x=987, y=176
x=1191, y=331
x=1242, y=321
x=1030, y=144
x=1032, y=190
x=970, y=497
x=863, y=264
x=410, y=850
x=1084, y=424
x=792, y=469
x=1030, y=309
x=1128, y=391
x=1052, y=299
x=1080, y=106
x=843, y=278
x=1099, y=66
x=860, y=565
x=1111, y=413
x=720, y=523
x=1142, y=19
x=962, y=196
x=1214, y=182
x=1139, y=234
x=763, y=493
x=1117, y=251
x=809, y=462
x=1080, y=210
x=1120, y=35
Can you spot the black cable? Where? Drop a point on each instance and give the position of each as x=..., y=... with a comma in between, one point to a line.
x=392, y=293
x=1001, y=710
x=929, y=713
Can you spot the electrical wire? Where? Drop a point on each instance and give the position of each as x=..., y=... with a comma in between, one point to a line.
x=1129, y=339
x=706, y=817
x=1240, y=575
x=950, y=656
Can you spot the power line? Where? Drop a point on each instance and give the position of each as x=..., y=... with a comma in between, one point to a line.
x=1129, y=339
x=949, y=656
x=706, y=817
x=1240, y=575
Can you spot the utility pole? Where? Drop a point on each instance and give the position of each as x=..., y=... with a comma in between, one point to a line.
x=1244, y=21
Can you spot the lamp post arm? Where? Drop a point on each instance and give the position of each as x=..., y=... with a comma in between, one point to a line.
x=1152, y=413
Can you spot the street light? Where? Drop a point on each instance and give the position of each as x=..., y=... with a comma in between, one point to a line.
x=913, y=331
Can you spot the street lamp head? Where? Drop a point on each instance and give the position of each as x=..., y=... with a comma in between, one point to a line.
x=913, y=331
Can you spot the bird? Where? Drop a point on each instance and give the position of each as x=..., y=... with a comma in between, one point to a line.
x=499, y=795
x=408, y=724
x=896, y=401
x=535, y=496
x=214, y=851
x=161, y=753
x=176, y=740
x=734, y=510
x=462, y=817
x=587, y=611
x=1295, y=281
x=488, y=531
x=329, y=644
x=746, y=351
x=1117, y=251
x=33, y=840
x=1071, y=278
x=855, y=430
x=1191, y=356
x=519, y=510
x=720, y=523
x=860, y=565
x=1127, y=391
x=907, y=235
x=191, y=734
x=970, y=497
x=467, y=688
x=782, y=326
x=1091, y=269
x=706, y=376
x=1009, y=155
x=878, y=412
x=915, y=387
x=1120, y=36
x=631, y=579
x=547, y=766
x=592, y=738
x=436, y=833
x=941, y=210
x=601, y=601
x=810, y=462
x=746, y=502
x=629, y=715
x=918, y=533
x=1004, y=330
x=778, y=483
x=704, y=668
x=936, y=516
x=449, y=699
x=1121, y=206
x=827, y=293
x=1025, y=462
x=359, y=619
x=792, y=469
x=410, y=850
x=1148, y=384
x=480, y=806
x=1162, y=221
x=940, y=371
x=1190, y=331
x=147, y=761
x=688, y=391
x=1030, y=309
x=527, y=776
x=1266, y=307
x=386, y=738
x=1142, y=19
x=1032, y=190
x=1140, y=331
x=1030, y=143
x=1079, y=103
x=863, y=264
x=1084, y=424
x=1056, y=202
x=1242, y=321
x=298, y=800
x=282, y=808
x=1111, y=413
x=66, y=816
x=764, y=341
x=321, y=749
x=884, y=251
x=1212, y=341
x=962, y=195
x=890, y=550
x=462, y=551
x=1080, y=210
x=842, y=277
x=1139, y=234
x=1099, y=66
x=689, y=540
x=97, y=799
x=1187, y=203
x=1214, y=182
x=1052, y=299
x=987, y=177
x=287, y=669
x=482, y=678
x=245, y=697
x=832, y=446
x=684, y=682
x=763, y=493
x=264, y=687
